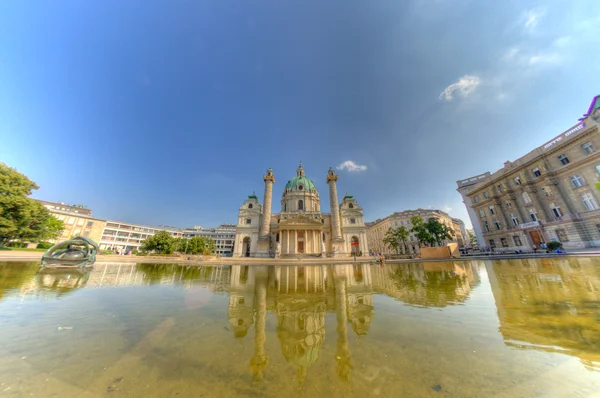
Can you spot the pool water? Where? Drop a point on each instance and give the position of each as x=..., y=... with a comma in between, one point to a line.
x=507, y=328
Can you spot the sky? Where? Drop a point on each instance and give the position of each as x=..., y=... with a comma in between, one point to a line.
x=169, y=112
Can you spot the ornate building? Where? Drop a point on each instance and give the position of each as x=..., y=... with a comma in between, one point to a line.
x=300, y=228
x=550, y=194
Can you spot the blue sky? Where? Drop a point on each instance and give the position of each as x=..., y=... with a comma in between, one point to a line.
x=169, y=112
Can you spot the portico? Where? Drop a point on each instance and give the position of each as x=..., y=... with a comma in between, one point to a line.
x=300, y=235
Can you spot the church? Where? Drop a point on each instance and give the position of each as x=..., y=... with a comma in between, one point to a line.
x=300, y=229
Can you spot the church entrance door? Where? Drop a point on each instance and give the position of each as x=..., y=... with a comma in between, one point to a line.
x=301, y=246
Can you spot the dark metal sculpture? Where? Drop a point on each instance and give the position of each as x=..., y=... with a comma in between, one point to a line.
x=76, y=252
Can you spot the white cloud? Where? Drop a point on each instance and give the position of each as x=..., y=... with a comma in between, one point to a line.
x=531, y=18
x=447, y=209
x=351, y=166
x=544, y=58
x=464, y=86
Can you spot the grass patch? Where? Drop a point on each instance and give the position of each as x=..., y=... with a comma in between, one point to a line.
x=21, y=249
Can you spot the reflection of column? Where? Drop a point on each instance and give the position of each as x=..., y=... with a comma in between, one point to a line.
x=259, y=361
x=342, y=355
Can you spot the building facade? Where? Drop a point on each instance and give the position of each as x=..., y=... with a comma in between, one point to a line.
x=460, y=233
x=376, y=230
x=300, y=228
x=223, y=236
x=550, y=194
x=78, y=221
x=126, y=237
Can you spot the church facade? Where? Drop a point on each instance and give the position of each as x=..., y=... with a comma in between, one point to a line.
x=300, y=228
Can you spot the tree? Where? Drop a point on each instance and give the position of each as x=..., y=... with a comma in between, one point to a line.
x=403, y=233
x=21, y=217
x=391, y=239
x=438, y=231
x=472, y=238
x=161, y=243
x=420, y=230
x=201, y=245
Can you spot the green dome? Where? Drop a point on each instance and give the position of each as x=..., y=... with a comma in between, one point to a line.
x=301, y=181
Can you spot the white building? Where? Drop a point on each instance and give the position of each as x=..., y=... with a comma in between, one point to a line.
x=223, y=235
x=125, y=237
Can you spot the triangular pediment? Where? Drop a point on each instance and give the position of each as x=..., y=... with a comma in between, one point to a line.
x=300, y=220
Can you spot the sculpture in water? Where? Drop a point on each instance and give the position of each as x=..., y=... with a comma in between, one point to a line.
x=76, y=252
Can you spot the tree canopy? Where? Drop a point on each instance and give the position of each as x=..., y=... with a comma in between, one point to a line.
x=396, y=238
x=164, y=243
x=431, y=232
x=23, y=218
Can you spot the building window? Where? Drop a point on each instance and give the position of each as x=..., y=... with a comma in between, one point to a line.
x=504, y=242
x=517, y=240
x=515, y=219
x=500, y=188
x=563, y=159
x=517, y=180
x=589, y=202
x=476, y=198
x=562, y=236
x=508, y=205
x=492, y=210
x=250, y=206
x=486, y=195
x=300, y=204
x=598, y=169
x=492, y=243
x=533, y=215
x=556, y=210
x=248, y=221
x=353, y=221
x=350, y=206
x=300, y=187
x=90, y=223
x=481, y=213
x=486, y=226
x=588, y=148
x=526, y=198
x=577, y=181
x=536, y=172
x=497, y=223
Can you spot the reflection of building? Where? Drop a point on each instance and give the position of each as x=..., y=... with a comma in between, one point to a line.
x=548, y=194
x=377, y=229
x=434, y=284
x=549, y=305
x=300, y=228
x=78, y=221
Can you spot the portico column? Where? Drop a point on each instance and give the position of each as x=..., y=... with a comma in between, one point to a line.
x=294, y=241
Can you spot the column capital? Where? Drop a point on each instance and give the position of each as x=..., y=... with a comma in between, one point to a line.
x=269, y=176
x=331, y=176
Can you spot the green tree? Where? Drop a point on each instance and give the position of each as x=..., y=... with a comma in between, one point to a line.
x=438, y=231
x=161, y=243
x=403, y=233
x=420, y=230
x=201, y=245
x=391, y=239
x=21, y=217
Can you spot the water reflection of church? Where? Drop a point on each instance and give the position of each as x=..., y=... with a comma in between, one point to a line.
x=300, y=297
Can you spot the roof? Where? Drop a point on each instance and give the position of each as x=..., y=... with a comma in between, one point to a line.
x=306, y=183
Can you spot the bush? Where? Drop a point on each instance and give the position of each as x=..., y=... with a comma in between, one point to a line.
x=554, y=245
x=44, y=245
x=206, y=252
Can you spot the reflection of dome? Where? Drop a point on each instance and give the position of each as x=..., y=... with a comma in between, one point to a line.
x=301, y=332
x=360, y=312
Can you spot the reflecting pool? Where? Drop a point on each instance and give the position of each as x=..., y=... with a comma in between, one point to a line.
x=507, y=328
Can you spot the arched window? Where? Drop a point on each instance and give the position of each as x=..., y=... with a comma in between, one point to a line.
x=300, y=204
x=250, y=206
x=285, y=207
x=350, y=205
x=300, y=187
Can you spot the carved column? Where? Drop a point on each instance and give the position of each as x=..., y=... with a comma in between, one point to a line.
x=336, y=228
x=265, y=228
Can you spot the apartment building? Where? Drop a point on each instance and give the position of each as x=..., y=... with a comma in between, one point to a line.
x=223, y=235
x=550, y=194
x=78, y=220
